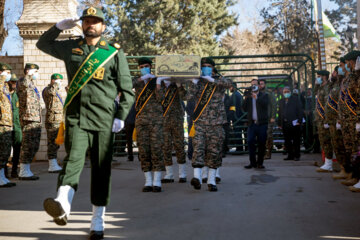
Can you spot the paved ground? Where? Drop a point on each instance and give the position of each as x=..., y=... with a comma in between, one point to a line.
x=288, y=200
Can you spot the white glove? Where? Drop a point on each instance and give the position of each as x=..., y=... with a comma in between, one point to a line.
x=357, y=64
x=31, y=72
x=358, y=127
x=326, y=126
x=7, y=76
x=338, y=126
x=67, y=23
x=117, y=125
x=147, y=76
x=159, y=80
x=195, y=81
x=178, y=84
x=58, y=84
x=167, y=83
x=210, y=79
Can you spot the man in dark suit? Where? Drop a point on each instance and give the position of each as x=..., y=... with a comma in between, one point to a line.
x=290, y=118
x=256, y=106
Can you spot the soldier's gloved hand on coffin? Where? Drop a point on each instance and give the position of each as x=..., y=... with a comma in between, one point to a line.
x=338, y=126
x=117, y=125
x=195, y=81
x=357, y=64
x=210, y=79
x=165, y=79
x=358, y=127
x=159, y=80
x=67, y=23
x=147, y=76
x=326, y=126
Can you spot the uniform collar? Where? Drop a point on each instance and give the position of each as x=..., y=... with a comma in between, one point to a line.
x=103, y=43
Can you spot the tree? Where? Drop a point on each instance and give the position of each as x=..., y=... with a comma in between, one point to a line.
x=289, y=24
x=3, y=32
x=344, y=21
x=170, y=26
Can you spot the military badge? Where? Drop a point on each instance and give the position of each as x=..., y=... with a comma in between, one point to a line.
x=99, y=74
x=81, y=42
x=17, y=104
x=116, y=45
x=33, y=66
x=102, y=43
x=91, y=11
x=77, y=51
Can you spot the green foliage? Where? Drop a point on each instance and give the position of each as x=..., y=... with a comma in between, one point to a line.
x=288, y=23
x=344, y=21
x=169, y=26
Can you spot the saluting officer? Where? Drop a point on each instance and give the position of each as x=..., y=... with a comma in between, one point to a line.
x=97, y=73
x=54, y=116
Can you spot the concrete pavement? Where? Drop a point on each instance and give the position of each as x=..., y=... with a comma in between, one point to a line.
x=287, y=200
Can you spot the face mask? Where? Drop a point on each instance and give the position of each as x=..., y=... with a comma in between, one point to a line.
x=287, y=95
x=206, y=71
x=341, y=71
x=347, y=68
x=319, y=80
x=144, y=71
x=35, y=76
x=8, y=77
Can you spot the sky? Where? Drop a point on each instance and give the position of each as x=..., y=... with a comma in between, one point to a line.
x=246, y=9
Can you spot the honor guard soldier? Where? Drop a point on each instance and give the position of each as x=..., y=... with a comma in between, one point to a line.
x=30, y=118
x=332, y=118
x=16, y=134
x=6, y=123
x=54, y=116
x=97, y=73
x=208, y=119
x=352, y=99
x=149, y=125
x=174, y=131
x=322, y=92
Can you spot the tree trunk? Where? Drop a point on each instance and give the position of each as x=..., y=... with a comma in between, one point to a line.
x=3, y=32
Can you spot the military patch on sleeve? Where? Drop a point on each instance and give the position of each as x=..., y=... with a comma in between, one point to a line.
x=77, y=51
x=102, y=43
x=99, y=74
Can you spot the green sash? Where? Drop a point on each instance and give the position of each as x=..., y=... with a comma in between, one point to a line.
x=169, y=98
x=96, y=59
x=204, y=100
x=145, y=96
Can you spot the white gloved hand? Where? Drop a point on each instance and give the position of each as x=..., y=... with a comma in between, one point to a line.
x=67, y=23
x=167, y=83
x=31, y=72
x=326, y=126
x=178, y=84
x=159, y=80
x=210, y=79
x=4, y=73
x=195, y=81
x=7, y=76
x=147, y=76
x=357, y=64
x=338, y=126
x=58, y=83
x=358, y=127
x=117, y=125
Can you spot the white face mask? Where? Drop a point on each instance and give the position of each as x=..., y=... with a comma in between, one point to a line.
x=35, y=76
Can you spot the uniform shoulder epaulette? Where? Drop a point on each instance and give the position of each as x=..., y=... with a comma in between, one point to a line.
x=116, y=45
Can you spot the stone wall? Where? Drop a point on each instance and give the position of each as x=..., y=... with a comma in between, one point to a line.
x=16, y=62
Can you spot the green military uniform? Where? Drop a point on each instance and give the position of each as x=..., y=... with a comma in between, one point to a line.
x=322, y=93
x=331, y=118
x=174, y=129
x=30, y=116
x=272, y=112
x=54, y=115
x=90, y=115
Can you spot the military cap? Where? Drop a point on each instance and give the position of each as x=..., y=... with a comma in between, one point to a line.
x=4, y=66
x=56, y=76
x=352, y=55
x=208, y=60
x=342, y=60
x=31, y=66
x=93, y=12
x=144, y=60
x=14, y=77
x=323, y=73
x=286, y=87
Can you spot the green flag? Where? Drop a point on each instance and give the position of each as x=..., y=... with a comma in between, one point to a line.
x=329, y=30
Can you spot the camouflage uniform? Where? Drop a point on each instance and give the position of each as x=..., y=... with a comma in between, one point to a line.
x=331, y=117
x=30, y=118
x=269, y=134
x=149, y=130
x=174, y=130
x=6, y=124
x=324, y=134
x=54, y=115
x=209, y=132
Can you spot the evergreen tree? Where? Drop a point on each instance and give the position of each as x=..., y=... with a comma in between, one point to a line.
x=344, y=21
x=170, y=26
